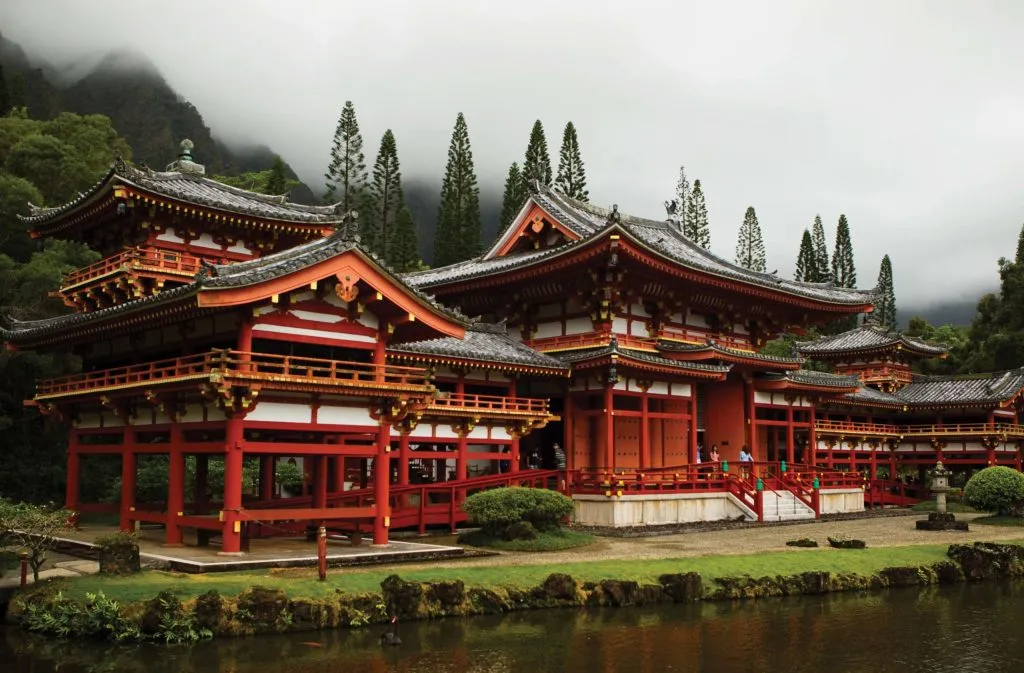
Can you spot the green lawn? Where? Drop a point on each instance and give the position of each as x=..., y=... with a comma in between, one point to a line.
x=303, y=583
x=545, y=541
x=996, y=520
x=954, y=507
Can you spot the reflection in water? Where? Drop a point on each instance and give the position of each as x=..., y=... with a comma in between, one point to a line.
x=961, y=628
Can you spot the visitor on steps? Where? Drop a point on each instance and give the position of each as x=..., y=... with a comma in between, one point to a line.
x=745, y=455
x=559, y=456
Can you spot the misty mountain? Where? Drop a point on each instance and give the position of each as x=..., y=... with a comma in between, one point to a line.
x=959, y=312
x=423, y=196
x=127, y=87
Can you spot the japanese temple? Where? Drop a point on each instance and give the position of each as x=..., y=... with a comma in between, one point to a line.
x=227, y=325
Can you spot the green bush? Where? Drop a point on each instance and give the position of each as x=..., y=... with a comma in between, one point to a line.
x=120, y=539
x=996, y=489
x=497, y=509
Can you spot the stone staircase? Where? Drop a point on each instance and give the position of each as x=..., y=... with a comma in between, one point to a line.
x=784, y=506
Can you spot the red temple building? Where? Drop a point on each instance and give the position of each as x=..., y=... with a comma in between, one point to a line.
x=228, y=325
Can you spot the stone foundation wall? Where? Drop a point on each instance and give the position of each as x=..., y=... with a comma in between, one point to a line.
x=842, y=500
x=655, y=510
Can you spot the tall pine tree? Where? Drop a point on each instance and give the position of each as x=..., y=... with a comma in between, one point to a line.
x=571, y=179
x=844, y=274
x=387, y=200
x=1019, y=258
x=277, y=181
x=806, y=263
x=346, y=172
x=750, y=244
x=458, y=216
x=885, y=308
x=514, y=197
x=696, y=221
x=405, y=253
x=537, y=164
x=682, y=200
x=820, y=250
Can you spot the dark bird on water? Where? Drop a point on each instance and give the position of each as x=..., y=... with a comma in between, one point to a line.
x=390, y=637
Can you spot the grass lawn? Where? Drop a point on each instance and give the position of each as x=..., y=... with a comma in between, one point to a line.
x=996, y=520
x=954, y=507
x=545, y=541
x=302, y=582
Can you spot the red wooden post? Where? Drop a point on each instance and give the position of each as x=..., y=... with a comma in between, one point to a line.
x=790, y=435
x=462, y=446
x=693, y=448
x=231, y=527
x=74, y=466
x=645, y=431
x=175, y=486
x=267, y=477
x=321, y=552
x=129, y=465
x=568, y=440
x=609, y=426
x=381, y=485
x=812, y=441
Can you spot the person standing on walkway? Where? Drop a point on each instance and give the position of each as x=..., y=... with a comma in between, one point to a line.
x=559, y=456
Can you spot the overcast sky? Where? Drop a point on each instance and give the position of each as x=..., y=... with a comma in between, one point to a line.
x=907, y=115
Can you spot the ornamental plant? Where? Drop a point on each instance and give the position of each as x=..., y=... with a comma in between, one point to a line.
x=996, y=489
x=497, y=509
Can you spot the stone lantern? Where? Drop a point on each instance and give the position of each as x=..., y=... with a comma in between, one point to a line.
x=940, y=519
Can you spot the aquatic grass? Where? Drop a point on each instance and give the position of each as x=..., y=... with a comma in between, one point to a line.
x=302, y=582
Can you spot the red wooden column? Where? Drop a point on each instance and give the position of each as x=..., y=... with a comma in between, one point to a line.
x=462, y=446
x=231, y=527
x=609, y=426
x=645, y=431
x=874, y=463
x=74, y=469
x=812, y=441
x=129, y=466
x=569, y=440
x=382, y=485
x=319, y=481
x=693, y=449
x=790, y=436
x=175, y=485
x=751, y=420
x=267, y=477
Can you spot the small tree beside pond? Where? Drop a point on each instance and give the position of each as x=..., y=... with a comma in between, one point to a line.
x=997, y=489
x=33, y=529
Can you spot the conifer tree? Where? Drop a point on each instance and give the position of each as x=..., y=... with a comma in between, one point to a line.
x=750, y=244
x=537, y=164
x=844, y=274
x=514, y=197
x=346, y=172
x=5, y=98
x=1019, y=258
x=458, y=216
x=405, y=254
x=277, y=182
x=571, y=179
x=682, y=201
x=820, y=250
x=386, y=200
x=696, y=221
x=806, y=263
x=885, y=308
x=17, y=92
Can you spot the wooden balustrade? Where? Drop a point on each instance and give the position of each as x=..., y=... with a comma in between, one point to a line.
x=135, y=259
x=926, y=430
x=589, y=340
x=490, y=403
x=695, y=336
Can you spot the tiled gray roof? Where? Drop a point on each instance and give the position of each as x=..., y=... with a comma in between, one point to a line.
x=711, y=346
x=925, y=390
x=866, y=337
x=584, y=354
x=240, y=274
x=869, y=395
x=483, y=343
x=809, y=377
x=197, y=190
x=662, y=237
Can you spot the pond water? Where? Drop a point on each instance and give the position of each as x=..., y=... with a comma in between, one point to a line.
x=961, y=628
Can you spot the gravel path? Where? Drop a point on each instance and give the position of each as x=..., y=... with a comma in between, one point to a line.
x=876, y=532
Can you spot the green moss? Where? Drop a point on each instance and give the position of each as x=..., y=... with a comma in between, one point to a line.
x=544, y=541
x=997, y=520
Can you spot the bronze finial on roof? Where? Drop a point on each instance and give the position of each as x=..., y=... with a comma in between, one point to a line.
x=185, y=164
x=613, y=216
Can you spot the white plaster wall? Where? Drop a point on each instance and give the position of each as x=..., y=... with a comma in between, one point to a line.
x=620, y=325
x=840, y=500
x=646, y=510
x=330, y=415
x=279, y=412
x=578, y=326
x=205, y=240
x=548, y=329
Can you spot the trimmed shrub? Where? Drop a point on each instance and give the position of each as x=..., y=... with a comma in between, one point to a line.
x=521, y=530
x=497, y=509
x=996, y=489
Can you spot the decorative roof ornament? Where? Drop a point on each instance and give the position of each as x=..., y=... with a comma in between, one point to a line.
x=533, y=186
x=675, y=214
x=184, y=164
x=348, y=230
x=613, y=216
x=119, y=163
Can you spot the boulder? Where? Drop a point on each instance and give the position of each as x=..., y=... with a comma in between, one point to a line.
x=682, y=587
x=209, y=610
x=404, y=599
x=261, y=606
x=560, y=587
x=448, y=595
x=988, y=559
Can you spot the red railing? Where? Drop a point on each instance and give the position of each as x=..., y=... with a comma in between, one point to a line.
x=136, y=259
x=589, y=340
x=878, y=373
x=694, y=336
x=236, y=364
x=860, y=428
x=488, y=403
